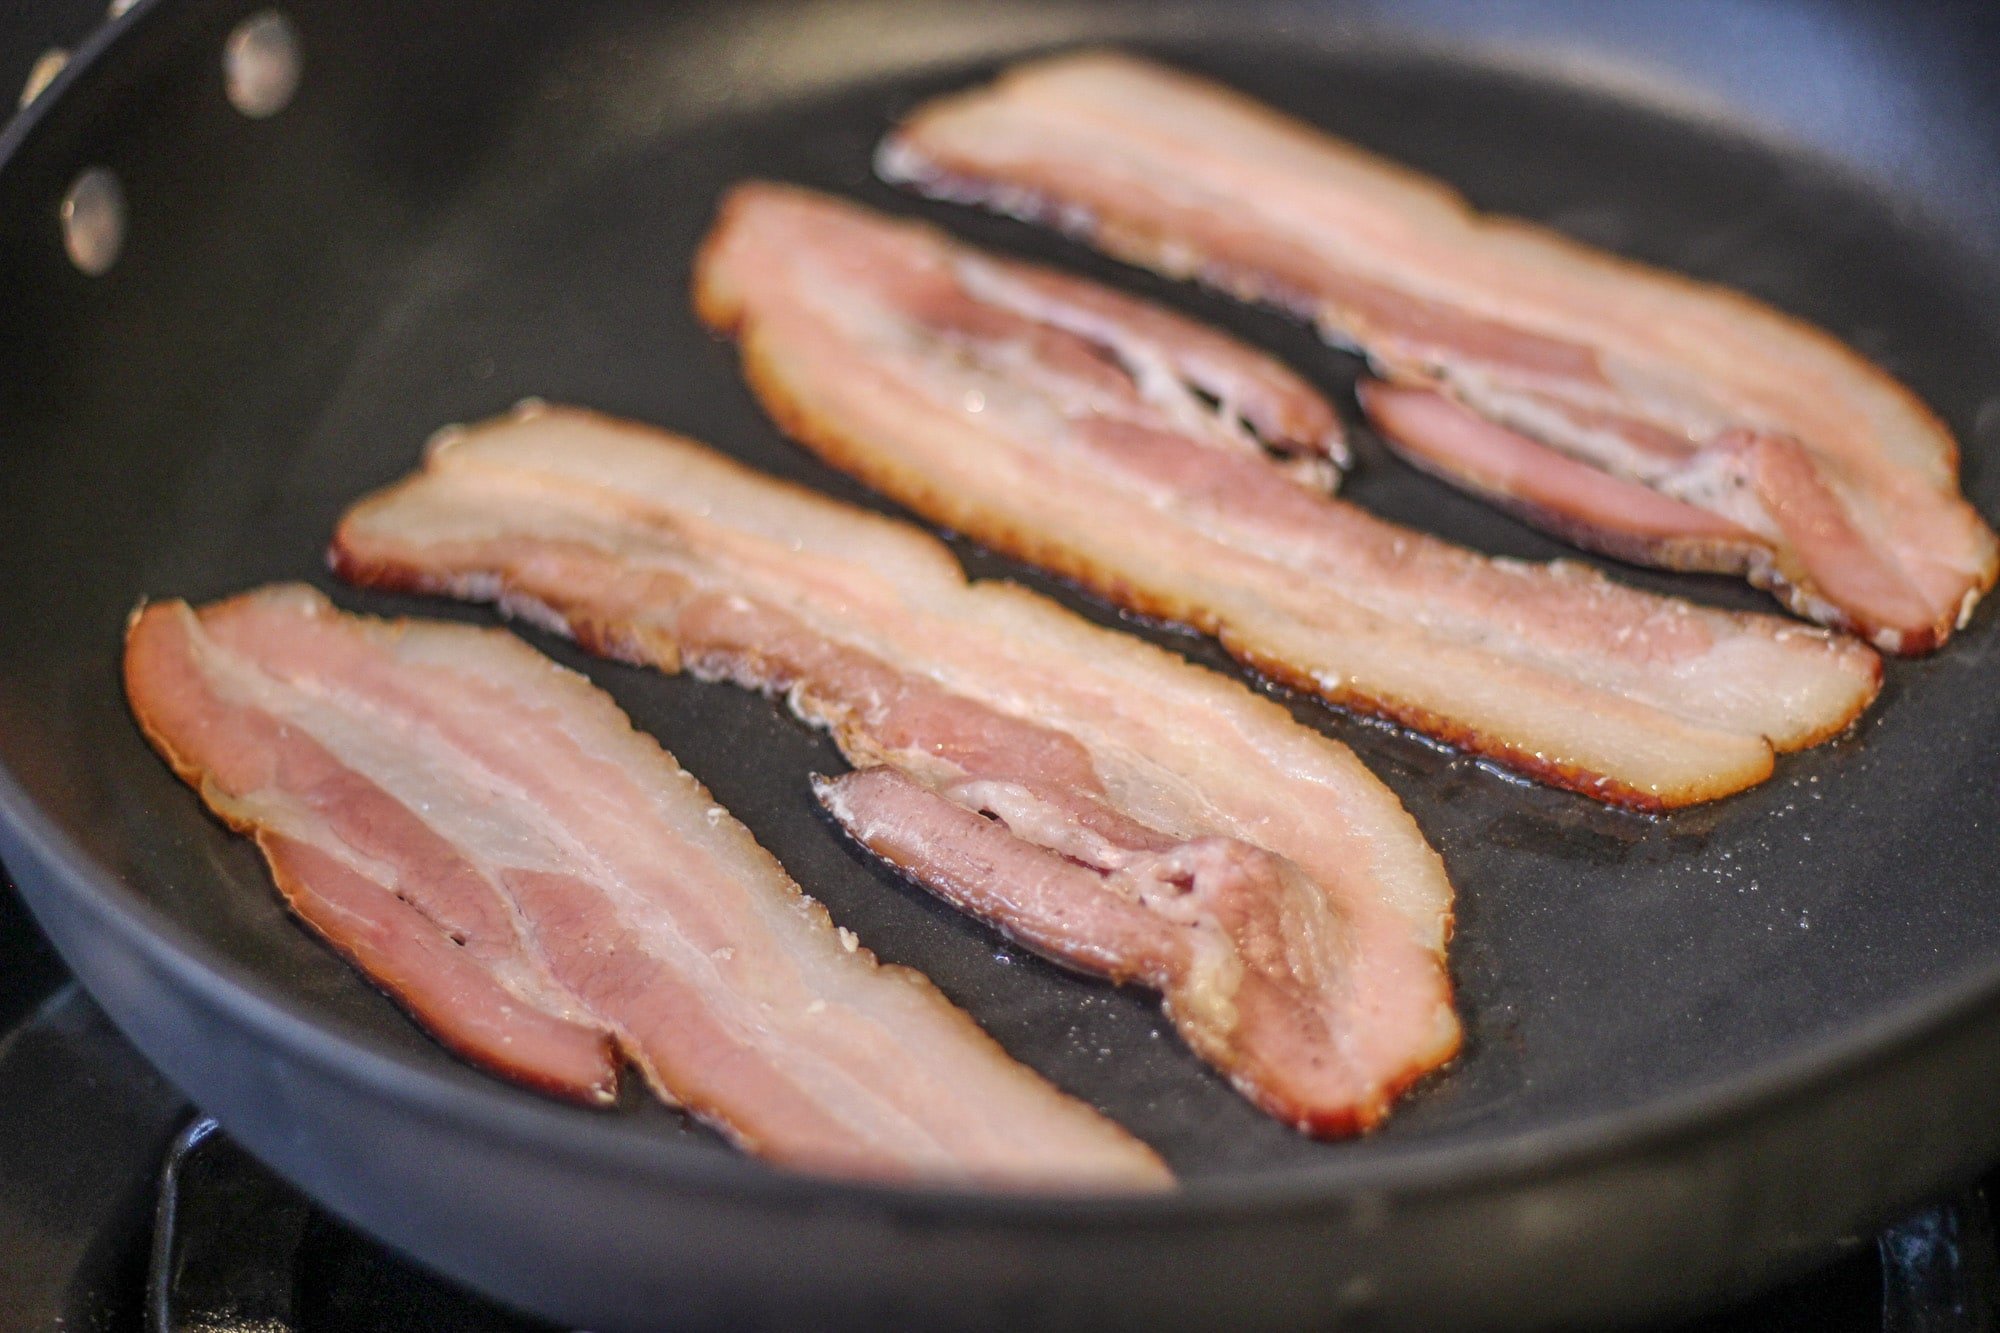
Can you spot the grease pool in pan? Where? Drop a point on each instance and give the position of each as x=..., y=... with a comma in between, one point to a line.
x=1602, y=959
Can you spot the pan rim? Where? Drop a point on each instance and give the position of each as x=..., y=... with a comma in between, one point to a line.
x=467, y=1099
x=472, y=1102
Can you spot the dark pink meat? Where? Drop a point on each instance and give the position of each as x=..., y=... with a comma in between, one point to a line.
x=1117, y=797
x=1639, y=374
x=489, y=840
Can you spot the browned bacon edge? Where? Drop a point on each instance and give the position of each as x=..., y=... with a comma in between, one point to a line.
x=599, y=638
x=963, y=513
x=1249, y=1063
x=1742, y=555
x=384, y=958
x=1719, y=552
x=970, y=875
x=418, y=962
x=902, y=162
x=1159, y=252
x=611, y=641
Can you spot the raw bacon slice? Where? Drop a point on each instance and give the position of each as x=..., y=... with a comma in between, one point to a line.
x=485, y=835
x=1822, y=478
x=1105, y=802
x=1550, y=669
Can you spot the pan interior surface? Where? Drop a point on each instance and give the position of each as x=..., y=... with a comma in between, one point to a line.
x=427, y=236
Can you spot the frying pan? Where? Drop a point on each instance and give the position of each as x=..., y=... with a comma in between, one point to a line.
x=1700, y=1048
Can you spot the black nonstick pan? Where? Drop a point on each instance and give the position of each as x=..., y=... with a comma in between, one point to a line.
x=1700, y=1048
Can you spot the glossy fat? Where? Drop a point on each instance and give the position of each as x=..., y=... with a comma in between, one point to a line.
x=1603, y=358
x=1076, y=738
x=1551, y=669
x=488, y=838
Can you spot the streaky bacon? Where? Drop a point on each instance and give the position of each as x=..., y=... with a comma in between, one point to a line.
x=1824, y=479
x=1552, y=670
x=486, y=836
x=1135, y=816
x=1242, y=948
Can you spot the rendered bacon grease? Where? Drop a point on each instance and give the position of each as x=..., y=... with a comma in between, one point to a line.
x=1094, y=797
x=485, y=836
x=1622, y=407
x=1183, y=475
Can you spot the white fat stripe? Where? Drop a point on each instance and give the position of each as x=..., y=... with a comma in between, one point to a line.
x=501, y=826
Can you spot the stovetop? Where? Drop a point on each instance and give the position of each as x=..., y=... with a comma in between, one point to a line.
x=123, y=1210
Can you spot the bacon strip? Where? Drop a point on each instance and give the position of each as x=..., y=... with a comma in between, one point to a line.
x=489, y=840
x=1552, y=670
x=1244, y=950
x=1104, y=801
x=1833, y=485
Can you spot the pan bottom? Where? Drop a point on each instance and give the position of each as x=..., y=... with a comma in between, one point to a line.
x=1680, y=1059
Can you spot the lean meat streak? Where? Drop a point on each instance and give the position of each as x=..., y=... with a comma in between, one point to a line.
x=1094, y=797
x=968, y=389
x=1627, y=409
x=485, y=835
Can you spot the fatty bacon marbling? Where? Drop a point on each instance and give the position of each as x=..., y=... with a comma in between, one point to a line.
x=1134, y=451
x=486, y=836
x=1094, y=797
x=1625, y=408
